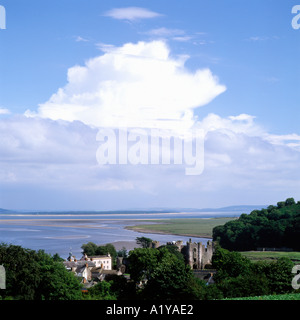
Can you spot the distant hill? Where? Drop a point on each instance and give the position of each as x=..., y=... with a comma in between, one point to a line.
x=238, y=209
x=5, y=211
x=241, y=208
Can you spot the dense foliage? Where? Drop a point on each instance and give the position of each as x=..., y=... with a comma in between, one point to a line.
x=237, y=276
x=277, y=226
x=154, y=274
x=144, y=242
x=32, y=275
x=159, y=274
x=91, y=249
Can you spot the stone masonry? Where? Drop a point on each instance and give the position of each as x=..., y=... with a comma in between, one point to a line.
x=196, y=255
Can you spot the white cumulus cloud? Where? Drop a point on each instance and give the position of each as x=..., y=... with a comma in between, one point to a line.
x=135, y=85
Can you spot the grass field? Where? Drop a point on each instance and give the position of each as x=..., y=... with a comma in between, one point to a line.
x=186, y=227
x=288, y=296
x=271, y=255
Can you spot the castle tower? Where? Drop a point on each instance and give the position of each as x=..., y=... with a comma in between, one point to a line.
x=197, y=255
x=207, y=257
x=200, y=255
x=188, y=253
x=155, y=244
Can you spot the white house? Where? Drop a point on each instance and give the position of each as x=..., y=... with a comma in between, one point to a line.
x=90, y=267
x=99, y=261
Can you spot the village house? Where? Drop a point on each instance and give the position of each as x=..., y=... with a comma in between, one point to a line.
x=100, y=261
x=91, y=269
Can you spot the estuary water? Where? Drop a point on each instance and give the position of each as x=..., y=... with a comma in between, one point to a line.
x=65, y=232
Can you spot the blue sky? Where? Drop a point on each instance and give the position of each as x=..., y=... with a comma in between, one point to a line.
x=250, y=50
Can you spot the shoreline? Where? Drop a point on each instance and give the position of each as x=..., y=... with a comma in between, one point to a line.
x=85, y=223
x=143, y=230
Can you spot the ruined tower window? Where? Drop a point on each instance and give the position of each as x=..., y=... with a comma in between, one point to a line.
x=195, y=253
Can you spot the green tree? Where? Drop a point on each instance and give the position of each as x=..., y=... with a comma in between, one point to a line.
x=101, y=291
x=275, y=215
x=280, y=204
x=32, y=275
x=239, y=277
x=272, y=227
x=89, y=249
x=229, y=264
x=107, y=249
x=170, y=279
x=271, y=207
x=162, y=274
x=144, y=242
x=23, y=274
x=122, y=253
x=56, y=282
x=174, y=250
x=142, y=262
x=279, y=275
x=292, y=234
x=290, y=202
x=57, y=257
x=121, y=288
x=244, y=286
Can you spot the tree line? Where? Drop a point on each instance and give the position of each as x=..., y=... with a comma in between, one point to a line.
x=155, y=274
x=276, y=226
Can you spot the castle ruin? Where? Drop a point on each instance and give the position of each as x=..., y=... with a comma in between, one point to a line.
x=196, y=255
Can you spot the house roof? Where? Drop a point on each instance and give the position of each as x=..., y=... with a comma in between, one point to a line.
x=85, y=257
x=80, y=263
x=70, y=264
x=80, y=269
x=104, y=271
x=96, y=270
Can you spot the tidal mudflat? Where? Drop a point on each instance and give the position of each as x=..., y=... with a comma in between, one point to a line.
x=62, y=234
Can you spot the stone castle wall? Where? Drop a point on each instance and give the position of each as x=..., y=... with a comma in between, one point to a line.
x=196, y=255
